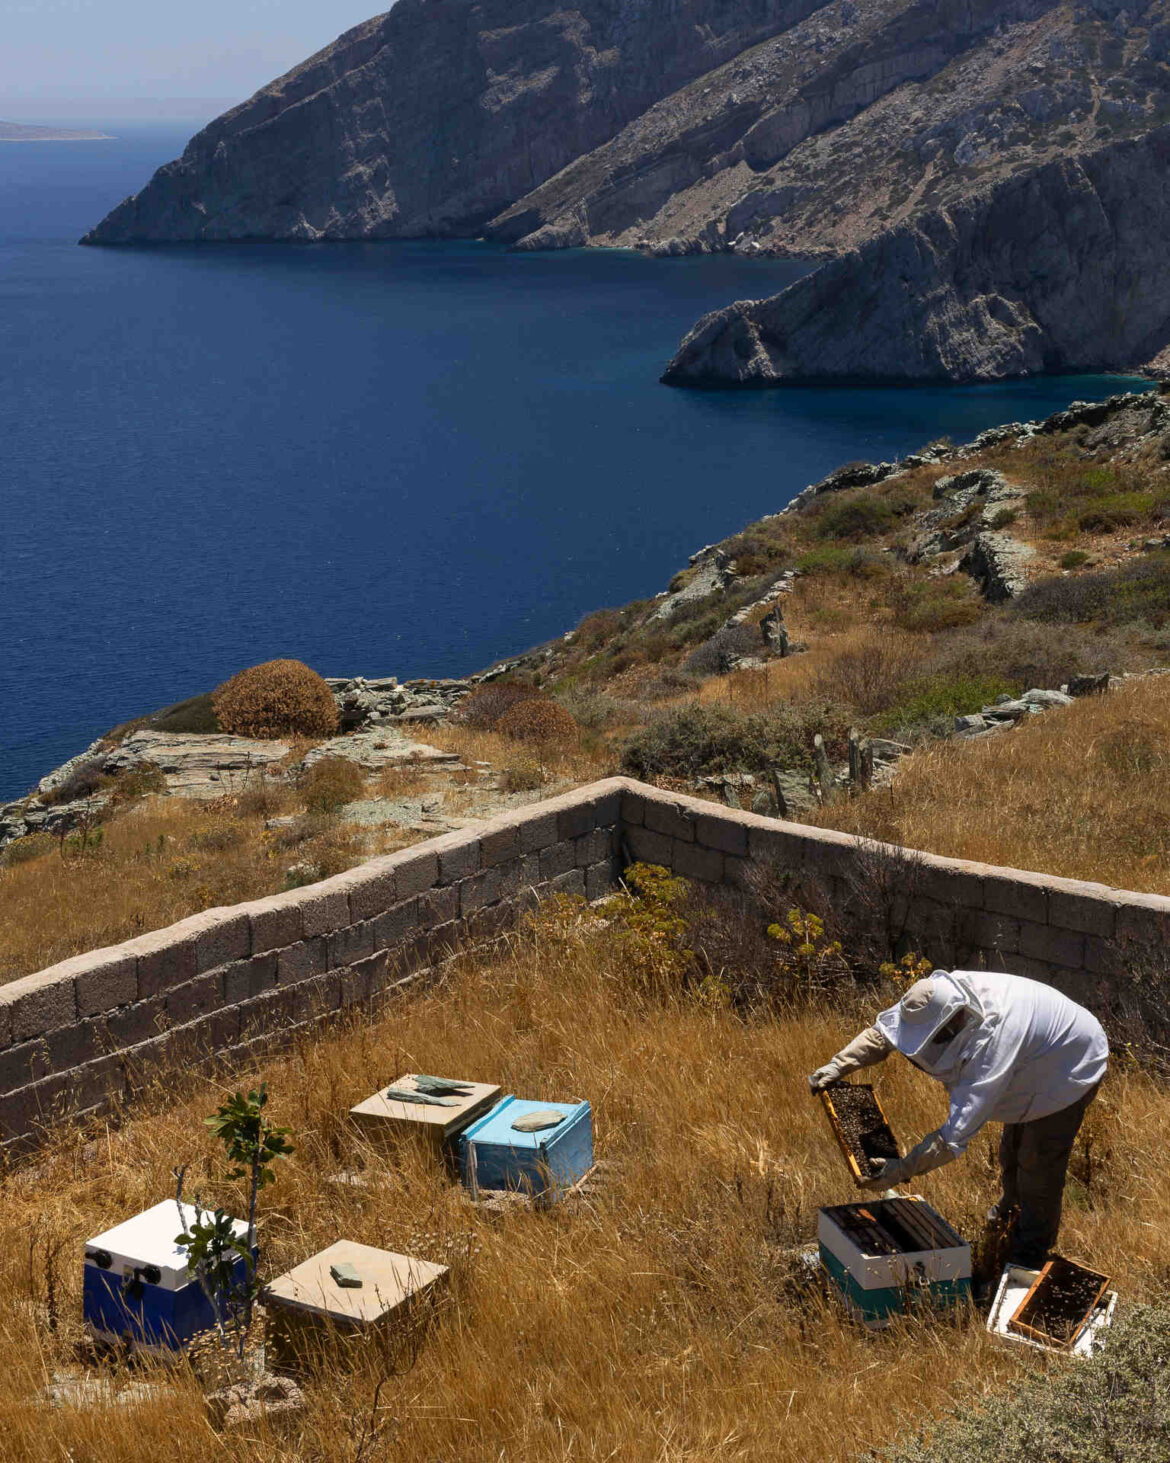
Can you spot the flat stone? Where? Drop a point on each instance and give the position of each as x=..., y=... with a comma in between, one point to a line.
x=377, y=747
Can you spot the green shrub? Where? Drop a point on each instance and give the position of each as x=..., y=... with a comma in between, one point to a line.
x=936, y=604
x=1112, y=1408
x=705, y=739
x=331, y=783
x=24, y=850
x=1119, y=510
x=522, y=773
x=934, y=699
x=860, y=517
x=714, y=656
x=196, y=714
x=1135, y=592
x=1073, y=559
x=144, y=781
x=276, y=699
x=1002, y=518
x=859, y=563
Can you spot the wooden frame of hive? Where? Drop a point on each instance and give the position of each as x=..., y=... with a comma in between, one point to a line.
x=838, y=1132
x=1043, y=1337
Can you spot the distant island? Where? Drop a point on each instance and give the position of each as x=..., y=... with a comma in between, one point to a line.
x=17, y=132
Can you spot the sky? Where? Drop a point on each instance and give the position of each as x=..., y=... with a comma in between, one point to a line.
x=80, y=52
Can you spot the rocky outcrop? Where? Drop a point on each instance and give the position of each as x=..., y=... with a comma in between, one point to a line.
x=999, y=564
x=1060, y=269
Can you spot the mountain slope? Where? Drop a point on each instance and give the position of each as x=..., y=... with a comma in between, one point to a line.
x=787, y=126
x=434, y=117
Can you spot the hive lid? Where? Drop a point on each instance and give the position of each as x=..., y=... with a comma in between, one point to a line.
x=149, y=1239
x=387, y=1282
x=449, y=1112
x=498, y=1126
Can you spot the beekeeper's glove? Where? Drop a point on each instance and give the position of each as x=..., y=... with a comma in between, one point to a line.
x=928, y=1155
x=866, y=1048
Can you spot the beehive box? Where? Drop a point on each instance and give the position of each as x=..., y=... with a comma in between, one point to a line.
x=1015, y=1285
x=380, y=1117
x=135, y=1285
x=307, y=1305
x=859, y=1125
x=495, y=1154
x=891, y=1254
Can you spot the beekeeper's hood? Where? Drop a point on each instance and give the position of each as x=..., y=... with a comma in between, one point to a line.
x=925, y=1008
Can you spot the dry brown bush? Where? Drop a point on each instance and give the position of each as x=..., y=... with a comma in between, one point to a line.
x=662, y=1320
x=538, y=720
x=276, y=699
x=331, y=783
x=484, y=707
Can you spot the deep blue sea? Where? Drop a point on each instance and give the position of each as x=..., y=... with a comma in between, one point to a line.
x=390, y=459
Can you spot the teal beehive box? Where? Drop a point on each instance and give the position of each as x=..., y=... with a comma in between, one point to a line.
x=888, y=1256
x=531, y=1147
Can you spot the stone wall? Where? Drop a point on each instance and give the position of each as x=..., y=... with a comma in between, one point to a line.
x=226, y=981
x=230, y=981
x=1086, y=939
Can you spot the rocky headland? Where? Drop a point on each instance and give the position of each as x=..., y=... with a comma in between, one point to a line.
x=21, y=132
x=1061, y=268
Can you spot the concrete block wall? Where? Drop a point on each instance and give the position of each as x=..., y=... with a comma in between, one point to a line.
x=230, y=981
x=1084, y=938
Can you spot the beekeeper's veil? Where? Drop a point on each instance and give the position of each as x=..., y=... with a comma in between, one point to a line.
x=923, y=1011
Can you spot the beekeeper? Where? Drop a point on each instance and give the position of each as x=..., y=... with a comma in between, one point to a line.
x=1010, y=1051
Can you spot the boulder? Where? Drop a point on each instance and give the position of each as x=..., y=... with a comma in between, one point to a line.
x=998, y=563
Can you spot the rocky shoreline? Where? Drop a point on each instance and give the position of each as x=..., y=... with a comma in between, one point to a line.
x=382, y=720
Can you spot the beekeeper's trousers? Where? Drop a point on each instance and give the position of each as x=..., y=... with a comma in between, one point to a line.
x=1034, y=1158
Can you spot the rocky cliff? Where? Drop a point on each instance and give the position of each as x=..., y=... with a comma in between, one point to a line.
x=435, y=117
x=1059, y=269
x=776, y=126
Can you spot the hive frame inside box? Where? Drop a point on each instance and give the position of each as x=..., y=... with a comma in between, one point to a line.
x=876, y=1288
x=161, y=1316
x=1014, y=1284
x=825, y=1095
x=544, y=1164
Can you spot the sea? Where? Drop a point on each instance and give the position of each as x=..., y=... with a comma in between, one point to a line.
x=403, y=459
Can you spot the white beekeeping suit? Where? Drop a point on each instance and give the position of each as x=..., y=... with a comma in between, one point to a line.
x=1012, y=1051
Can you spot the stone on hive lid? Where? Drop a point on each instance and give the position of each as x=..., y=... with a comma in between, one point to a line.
x=438, y=1117
x=308, y=1298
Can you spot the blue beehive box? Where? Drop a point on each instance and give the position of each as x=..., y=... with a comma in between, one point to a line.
x=136, y=1287
x=494, y=1154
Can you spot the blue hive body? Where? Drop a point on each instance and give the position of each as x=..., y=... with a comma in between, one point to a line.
x=136, y=1287
x=554, y=1158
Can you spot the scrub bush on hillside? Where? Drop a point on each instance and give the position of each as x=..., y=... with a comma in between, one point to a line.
x=707, y=739
x=276, y=699
x=1114, y=1408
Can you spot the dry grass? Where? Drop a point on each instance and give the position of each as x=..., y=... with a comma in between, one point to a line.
x=578, y=758
x=657, y=1322
x=160, y=861
x=1083, y=791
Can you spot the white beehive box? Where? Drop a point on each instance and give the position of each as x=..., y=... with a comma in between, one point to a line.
x=380, y=1117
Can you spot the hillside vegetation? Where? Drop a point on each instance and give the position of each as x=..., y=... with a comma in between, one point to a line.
x=663, y=1318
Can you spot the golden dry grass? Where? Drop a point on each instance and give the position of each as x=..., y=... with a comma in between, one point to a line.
x=576, y=759
x=1082, y=791
x=158, y=862
x=657, y=1322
